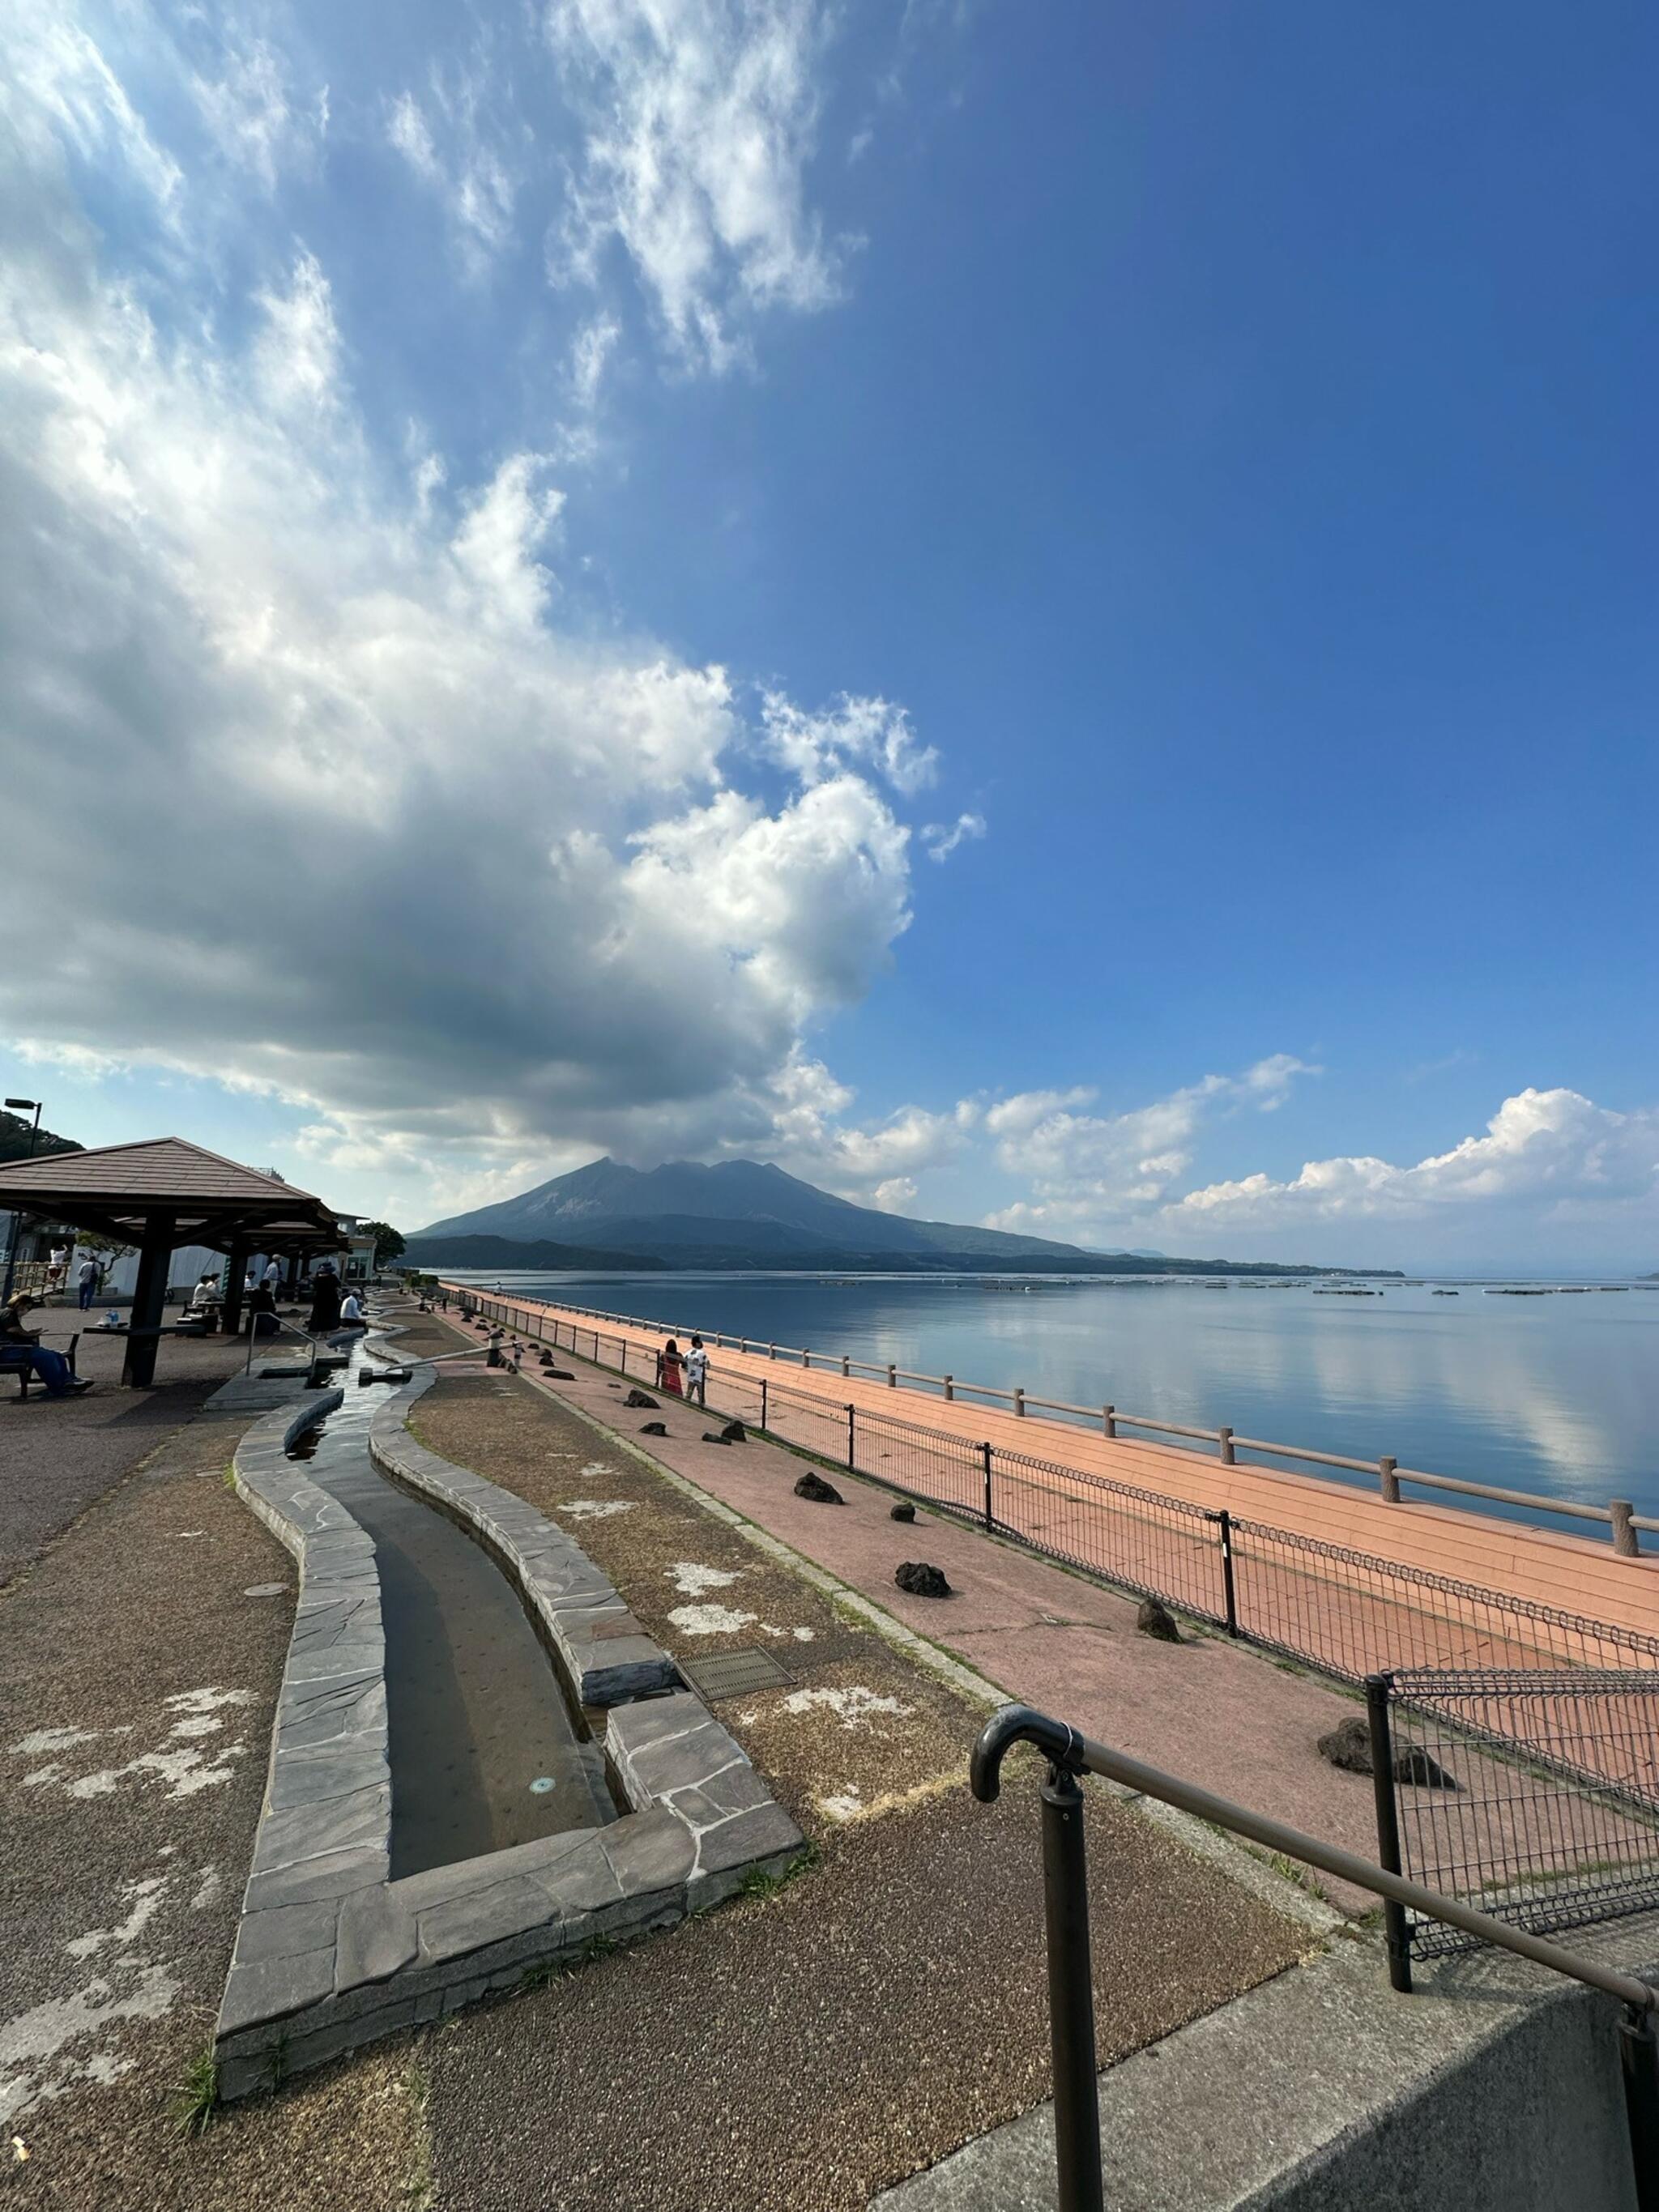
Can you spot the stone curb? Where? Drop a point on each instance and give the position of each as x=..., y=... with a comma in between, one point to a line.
x=331, y=1953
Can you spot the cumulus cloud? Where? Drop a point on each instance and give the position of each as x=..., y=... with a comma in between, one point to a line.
x=1088, y=1171
x=1550, y=1152
x=336, y=808
x=870, y=733
x=697, y=119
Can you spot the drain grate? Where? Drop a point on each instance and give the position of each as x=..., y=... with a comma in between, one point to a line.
x=734, y=1673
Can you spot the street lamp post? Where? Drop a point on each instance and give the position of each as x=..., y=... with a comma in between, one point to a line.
x=13, y=1104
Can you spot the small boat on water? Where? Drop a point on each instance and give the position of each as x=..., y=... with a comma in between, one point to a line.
x=1444, y=1294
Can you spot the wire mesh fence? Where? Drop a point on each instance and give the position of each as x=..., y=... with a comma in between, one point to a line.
x=1533, y=1793
x=1349, y=1614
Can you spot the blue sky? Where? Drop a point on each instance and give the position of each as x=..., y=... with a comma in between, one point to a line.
x=524, y=532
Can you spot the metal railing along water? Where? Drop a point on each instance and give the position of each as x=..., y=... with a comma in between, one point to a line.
x=1618, y=1516
x=1348, y=1612
x=1066, y=1904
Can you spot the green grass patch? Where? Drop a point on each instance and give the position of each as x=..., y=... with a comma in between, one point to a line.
x=195, y=2100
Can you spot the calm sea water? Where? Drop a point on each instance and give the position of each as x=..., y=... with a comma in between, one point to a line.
x=1558, y=1394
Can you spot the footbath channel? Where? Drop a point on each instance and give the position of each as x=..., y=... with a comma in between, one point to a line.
x=486, y=1751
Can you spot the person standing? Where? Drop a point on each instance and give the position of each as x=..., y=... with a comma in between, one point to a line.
x=86, y=1277
x=273, y=1277
x=324, y=1314
x=57, y=1267
x=673, y=1366
x=696, y=1373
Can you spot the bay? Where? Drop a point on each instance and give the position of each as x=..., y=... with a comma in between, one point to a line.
x=1553, y=1394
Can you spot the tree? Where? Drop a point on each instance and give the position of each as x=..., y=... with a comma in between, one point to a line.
x=388, y=1244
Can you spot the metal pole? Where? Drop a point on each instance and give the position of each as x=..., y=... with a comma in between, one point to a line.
x=851, y=1460
x=985, y=1457
x=1394, y=1927
x=763, y=1402
x=1070, y=1996
x=1230, y=1594
x=1638, y=2056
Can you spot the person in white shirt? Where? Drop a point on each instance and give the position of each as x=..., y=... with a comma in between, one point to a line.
x=273, y=1276
x=696, y=1373
x=85, y=1276
x=57, y=1267
x=351, y=1312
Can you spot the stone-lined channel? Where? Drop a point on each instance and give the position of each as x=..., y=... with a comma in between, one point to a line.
x=486, y=1750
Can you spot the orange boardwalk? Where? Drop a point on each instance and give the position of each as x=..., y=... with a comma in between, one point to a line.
x=1431, y=1585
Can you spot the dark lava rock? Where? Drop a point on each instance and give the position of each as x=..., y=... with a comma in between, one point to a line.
x=1347, y=1745
x=641, y=1398
x=709, y=1437
x=1412, y=1763
x=558, y=1375
x=654, y=1429
x=820, y=1492
x=1156, y=1620
x=902, y=1513
x=921, y=1580
x=734, y=1433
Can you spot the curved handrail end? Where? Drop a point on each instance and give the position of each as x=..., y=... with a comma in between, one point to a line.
x=1059, y=1744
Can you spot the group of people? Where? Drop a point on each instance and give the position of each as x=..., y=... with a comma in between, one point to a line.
x=684, y=1374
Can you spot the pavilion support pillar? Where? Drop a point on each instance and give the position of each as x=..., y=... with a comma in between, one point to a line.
x=291, y=1287
x=149, y=1301
x=230, y=1308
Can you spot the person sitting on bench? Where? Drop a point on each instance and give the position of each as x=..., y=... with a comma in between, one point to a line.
x=54, y=1370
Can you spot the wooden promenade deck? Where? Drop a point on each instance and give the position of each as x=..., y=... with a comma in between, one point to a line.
x=1537, y=1566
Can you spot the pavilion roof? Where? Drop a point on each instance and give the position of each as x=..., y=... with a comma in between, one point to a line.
x=117, y=1188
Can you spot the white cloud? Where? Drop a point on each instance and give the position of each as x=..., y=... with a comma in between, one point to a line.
x=872, y=732
x=297, y=356
x=941, y=841
x=458, y=142
x=1087, y=1171
x=348, y=818
x=1549, y=1152
x=250, y=107
x=698, y=119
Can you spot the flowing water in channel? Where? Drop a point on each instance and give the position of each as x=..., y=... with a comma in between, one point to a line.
x=486, y=1750
x=1557, y=1393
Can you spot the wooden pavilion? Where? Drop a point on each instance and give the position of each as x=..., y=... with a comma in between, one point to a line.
x=162, y=1193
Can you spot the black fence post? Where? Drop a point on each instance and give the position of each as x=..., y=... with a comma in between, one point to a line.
x=985, y=1456
x=1638, y=2056
x=851, y=1457
x=763, y=1402
x=1228, y=1594
x=1395, y=1931
x=1071, y=1994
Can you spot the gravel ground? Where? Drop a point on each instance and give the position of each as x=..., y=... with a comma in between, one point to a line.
x=814, y=2047
x=136, y=1684
x=811, y=2049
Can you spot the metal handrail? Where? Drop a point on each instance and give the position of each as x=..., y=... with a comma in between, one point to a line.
x=1070, y=1994
x=1619, y=1516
